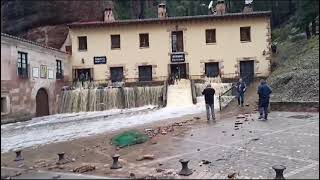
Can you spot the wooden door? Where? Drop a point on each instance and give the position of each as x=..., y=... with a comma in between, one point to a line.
x=42, y=104
x=247, y=71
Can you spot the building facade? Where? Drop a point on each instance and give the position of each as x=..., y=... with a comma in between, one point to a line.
x=32, y=76
x=228, y=45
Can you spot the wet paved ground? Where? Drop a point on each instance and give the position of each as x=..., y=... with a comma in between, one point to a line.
x=250, y=151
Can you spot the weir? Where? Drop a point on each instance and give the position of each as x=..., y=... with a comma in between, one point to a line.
x=219, y=87
x=91, y=98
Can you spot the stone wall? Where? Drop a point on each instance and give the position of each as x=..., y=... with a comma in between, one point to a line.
x=300, y=106
x=20, y=93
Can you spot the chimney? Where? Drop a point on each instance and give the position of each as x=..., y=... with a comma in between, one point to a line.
x=108, y=15
x=220, y=7
x=247, y=8
x=162, y=11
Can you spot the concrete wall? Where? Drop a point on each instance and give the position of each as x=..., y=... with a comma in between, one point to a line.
x=228, y=50
x=21, y=93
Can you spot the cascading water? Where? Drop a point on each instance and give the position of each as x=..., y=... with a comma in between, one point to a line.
x=93, y=98
x=219, y=87
x=216, y=83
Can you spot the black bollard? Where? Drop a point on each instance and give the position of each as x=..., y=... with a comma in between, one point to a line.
x=18, y=156
x=61, y=159
x=279, y=171
x=185, y=171
x=115, y=163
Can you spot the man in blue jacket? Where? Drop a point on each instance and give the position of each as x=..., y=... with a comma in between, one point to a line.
x=208, y=93
x=241, y=88
x=264, y=92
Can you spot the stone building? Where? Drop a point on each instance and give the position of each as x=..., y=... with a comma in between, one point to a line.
x=32, y=76
x=229, y=45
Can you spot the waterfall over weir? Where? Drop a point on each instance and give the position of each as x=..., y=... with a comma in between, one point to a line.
x=99, y=99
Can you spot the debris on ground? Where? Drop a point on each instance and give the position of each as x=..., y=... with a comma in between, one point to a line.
x=205, y=162
x=85, y=149
x=241, y=116
x=153, y=141
x=146, y=157
x=221, y=159
x=152, y=132
x=84, y=168
x=52, y=167
x=159, y=170
x=197, y=118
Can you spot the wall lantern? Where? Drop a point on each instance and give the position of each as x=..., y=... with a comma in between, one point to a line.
x=264, y=52
x=82, y=60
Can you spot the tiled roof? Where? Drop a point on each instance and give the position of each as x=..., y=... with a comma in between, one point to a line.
x=30, y=42
x=171, y=19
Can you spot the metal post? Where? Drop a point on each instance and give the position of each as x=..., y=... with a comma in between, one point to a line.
x=18, y=156
x=279, y=171
x=220, y=103
x=61, y=159
x=115, y=164
x=185, y=171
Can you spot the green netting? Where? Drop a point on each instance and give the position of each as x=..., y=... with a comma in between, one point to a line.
x=129, y=138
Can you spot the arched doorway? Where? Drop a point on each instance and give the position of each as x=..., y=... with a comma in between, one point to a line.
x=42, y=104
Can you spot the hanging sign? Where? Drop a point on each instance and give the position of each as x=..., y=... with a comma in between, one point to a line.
x=100, y=60
x=178, y=57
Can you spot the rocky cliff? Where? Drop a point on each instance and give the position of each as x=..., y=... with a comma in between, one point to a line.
x=45, y=21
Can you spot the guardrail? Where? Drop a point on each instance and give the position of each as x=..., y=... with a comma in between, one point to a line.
x=248, y=79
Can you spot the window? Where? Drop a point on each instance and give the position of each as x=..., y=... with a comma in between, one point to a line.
x=144, y=40
x=116, y=74
x=59, y=71
x=23, y=65
x=245, y=34
x=177, y=41
x=210, y=36
x=145, y=73
x=82, y=74
x=115, y=41
x=212, y=69
x=69, y=49
x=82, y=43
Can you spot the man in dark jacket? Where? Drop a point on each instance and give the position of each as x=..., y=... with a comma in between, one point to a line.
x=208, y=93
x=241, y=88
x=264, y=92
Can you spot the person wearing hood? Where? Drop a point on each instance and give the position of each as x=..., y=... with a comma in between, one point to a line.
x=264, y=92
x=208, y=93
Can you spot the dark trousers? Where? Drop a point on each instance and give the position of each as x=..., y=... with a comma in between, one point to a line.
x=240, y=99
x=263, y=108
x=210, y=110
